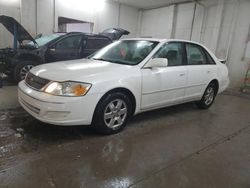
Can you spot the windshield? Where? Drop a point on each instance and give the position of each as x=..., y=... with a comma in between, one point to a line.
x=45, y=39
x=128, y=52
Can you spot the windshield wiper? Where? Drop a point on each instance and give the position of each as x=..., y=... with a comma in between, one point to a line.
x=108, y=60
x=101, y=59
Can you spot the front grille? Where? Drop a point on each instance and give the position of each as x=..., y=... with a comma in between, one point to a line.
x=35, y=81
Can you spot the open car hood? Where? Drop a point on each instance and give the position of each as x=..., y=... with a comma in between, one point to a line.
x=21, y=33
x=114, y=33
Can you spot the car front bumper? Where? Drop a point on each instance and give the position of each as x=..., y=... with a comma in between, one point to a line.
x=57, y=110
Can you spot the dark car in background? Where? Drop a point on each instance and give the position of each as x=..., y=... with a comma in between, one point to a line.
x=46, y=49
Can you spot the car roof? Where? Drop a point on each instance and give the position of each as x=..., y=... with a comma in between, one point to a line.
x=164, y=40
x=110, y=34
x=146, y=39
x=87, y=34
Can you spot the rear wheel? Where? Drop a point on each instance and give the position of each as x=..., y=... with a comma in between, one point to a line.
x=112, y=113
x=208, y=97
x=22, y=69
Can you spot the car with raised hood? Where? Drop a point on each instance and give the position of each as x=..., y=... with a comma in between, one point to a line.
x=52, y=48
x=124, y=78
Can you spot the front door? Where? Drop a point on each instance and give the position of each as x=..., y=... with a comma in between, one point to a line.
x=165, y=85
x=65, y=49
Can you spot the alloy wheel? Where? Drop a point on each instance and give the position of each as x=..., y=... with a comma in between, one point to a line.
x=209, y=95
x=115, y=113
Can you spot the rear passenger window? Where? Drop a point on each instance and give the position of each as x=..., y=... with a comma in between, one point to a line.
x=96, y=43
x=209, y=58
x=173, y=52
x=195, y=55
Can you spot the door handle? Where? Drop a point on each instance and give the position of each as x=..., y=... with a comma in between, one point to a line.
x=52, y=49
x=182, y=74
x=208, y=72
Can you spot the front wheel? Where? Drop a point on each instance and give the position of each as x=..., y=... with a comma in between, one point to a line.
x=22, y=69
x=208, y=97
x=112, y=113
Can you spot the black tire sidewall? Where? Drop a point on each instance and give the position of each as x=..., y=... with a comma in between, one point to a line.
x=98, y=118
x=19, y=66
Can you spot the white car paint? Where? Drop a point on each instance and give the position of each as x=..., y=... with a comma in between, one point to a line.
x=152, y=88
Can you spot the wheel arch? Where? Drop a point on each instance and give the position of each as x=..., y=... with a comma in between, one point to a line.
x=125, y=91
x=216, y=83
x=29, y=57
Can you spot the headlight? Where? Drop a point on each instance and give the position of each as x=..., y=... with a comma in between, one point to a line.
x=72, y=89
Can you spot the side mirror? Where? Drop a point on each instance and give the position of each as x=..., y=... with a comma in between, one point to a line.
x=157, y=62
x=52, y=48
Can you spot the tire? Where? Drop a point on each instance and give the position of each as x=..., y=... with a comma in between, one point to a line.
x=208, y=97
x=22, y=69
x=112, y=113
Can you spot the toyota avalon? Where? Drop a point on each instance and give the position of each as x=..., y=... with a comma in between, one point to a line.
x=124, y=78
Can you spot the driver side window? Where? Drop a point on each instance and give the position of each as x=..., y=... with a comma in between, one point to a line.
x=173, y=52
x=69, y=43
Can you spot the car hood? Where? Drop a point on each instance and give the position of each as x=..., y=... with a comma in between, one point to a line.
x=83, y=70
x=22, y=34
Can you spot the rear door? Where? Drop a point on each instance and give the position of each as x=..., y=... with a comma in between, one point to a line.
x=92, y=44
x=65, y=49
x=201, y=70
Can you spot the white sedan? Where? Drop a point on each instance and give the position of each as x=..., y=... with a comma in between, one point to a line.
x=125, y=78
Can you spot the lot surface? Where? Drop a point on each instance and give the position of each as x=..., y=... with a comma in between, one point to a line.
x=178, y=146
